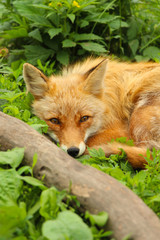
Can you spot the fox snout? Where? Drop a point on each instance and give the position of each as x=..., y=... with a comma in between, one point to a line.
x=73, y=151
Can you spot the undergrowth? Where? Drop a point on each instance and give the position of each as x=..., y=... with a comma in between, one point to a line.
x=30, y=210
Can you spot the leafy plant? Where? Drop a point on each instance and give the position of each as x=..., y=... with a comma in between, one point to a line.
x=29, y=210
x=59, y=29
x=66, y=30
x=145, y=183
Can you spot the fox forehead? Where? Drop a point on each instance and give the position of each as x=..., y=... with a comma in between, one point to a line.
x=67, y=102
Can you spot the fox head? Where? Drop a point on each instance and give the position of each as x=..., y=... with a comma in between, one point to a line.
x=71, y=103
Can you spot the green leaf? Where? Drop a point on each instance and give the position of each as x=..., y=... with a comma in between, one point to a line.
x=63, y=57
x=15, y=33
x=71, y=16
x=11, y=218
x=36, y=35
x=133, y=29
x=32, y=181
x=68, y=225
x=93, y=47
x=68, y=43
x=134, y=44
x=100, y=219
x=140, y=58
x=54, y=31
x=84, y=23
x=39, y=127
x=117, y=24
x=152, y=52
x=12, y=157
x=85, y=36
x=10, y=187
x=26, y=115
x=94, y=153
x=34, y=52
x=48, y=202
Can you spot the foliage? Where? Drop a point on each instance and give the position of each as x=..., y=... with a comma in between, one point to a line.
x=29, y=210
x=145, y=183
x=13, y=99
x=66, y=30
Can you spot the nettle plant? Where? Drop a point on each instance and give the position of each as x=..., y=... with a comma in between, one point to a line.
x=61, y=30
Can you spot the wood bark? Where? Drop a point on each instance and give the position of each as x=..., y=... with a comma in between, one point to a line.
x=95, y=190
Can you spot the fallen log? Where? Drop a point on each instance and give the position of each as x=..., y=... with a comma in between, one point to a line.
x=95, y=190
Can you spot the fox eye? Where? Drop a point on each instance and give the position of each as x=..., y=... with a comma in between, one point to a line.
x=55, y=121
x=84, y=118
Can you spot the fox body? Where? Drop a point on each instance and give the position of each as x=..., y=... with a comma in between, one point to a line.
x=98, y=100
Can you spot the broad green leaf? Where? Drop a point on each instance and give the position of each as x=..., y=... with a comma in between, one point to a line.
x=152, y=52
x=24, y=169
x=26, y=115
x=11, y=218
x=100, y=219
x=140, y=58
x=38, y=20
x=83, y=23
x=134, y=44
x=105, y=18
x=32, y=181
x=48, y=202
x=85, y=36
x=12, y=157
x=155, y=198
x=117, y=173
x=140, y=176
x=54, y=31
x=34, y=52
x=10, y=187
x=93, y=47
x=11, y=96
x=36, y=35
x=117, y=24
x=68, y=225
x=39, y=127
x=67, y=43
x=71, y=16
x=132, y=29
x=15, y=33
x=63, y=57
x=94, y=153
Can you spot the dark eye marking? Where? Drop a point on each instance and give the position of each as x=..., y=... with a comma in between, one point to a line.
x=84, y=118
x=55, y=121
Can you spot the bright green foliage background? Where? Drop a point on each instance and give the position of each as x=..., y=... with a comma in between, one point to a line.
x=66, y=30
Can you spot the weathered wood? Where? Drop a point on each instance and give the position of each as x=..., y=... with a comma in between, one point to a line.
x=95, y=190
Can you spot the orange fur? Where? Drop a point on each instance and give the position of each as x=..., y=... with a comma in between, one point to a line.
x=98, y=100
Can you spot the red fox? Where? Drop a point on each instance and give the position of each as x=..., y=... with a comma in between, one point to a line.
x=98, y=100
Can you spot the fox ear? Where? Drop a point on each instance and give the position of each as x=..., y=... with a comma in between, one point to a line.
x=95, y=78
x=36, y=81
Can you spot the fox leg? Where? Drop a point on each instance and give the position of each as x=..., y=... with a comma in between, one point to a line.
x=135, y=155
x=102, y=140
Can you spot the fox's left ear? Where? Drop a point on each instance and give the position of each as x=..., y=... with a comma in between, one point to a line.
x=95, y=78
x=36, y=81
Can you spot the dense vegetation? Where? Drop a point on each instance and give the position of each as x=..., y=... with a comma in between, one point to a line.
x=66, y=30
x=50, y=34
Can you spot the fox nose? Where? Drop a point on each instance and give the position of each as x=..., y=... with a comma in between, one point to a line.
x=73, y=151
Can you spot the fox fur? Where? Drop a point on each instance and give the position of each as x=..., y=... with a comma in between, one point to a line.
x=93, y=102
